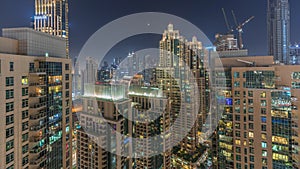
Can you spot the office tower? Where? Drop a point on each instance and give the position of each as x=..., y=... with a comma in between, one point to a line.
x=227, y=46
x=90, y=71
x=259, y=125
x=35, y=109
x=102, y=141
x=180, y=71
x=51, y=16
x=151, y=122
x=278, y=22
x=295, y=54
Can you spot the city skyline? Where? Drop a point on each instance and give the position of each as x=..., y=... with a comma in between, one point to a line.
x=209, y=24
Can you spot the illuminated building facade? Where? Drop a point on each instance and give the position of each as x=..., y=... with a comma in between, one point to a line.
x=151, y=119
x=259, y=126
x=35, y=112
x=295, y=54
x=181, y=75
x=99, y=141
x=51, y=16
x=278, y=22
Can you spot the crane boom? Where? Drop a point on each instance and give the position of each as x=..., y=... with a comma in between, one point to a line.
x=234, y=18
x=226, y=20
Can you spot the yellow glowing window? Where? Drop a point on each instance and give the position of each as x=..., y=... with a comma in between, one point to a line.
x=264, y=136
x=24, y=80
x=251, y=134
x=238, y=142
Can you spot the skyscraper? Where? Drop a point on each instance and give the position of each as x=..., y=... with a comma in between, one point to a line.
x=279, y=30
x=35, y=112
x=51, y=16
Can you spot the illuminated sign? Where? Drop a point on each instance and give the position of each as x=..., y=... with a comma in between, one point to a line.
x=40, y=17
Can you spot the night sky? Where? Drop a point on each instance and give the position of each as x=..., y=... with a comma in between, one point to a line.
x=87, y=16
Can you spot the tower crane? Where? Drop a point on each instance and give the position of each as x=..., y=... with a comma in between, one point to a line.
x=239, y=28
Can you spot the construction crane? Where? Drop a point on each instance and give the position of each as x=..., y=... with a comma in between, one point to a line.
x=239, y=28
x=230, y=30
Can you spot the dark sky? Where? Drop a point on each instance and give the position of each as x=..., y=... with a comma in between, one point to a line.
x=87, y=16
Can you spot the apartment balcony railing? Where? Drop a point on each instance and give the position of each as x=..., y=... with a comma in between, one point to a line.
x=37, y=71
x=38, y=116
x=38, y=160
x=37, y=94
x=38, y=105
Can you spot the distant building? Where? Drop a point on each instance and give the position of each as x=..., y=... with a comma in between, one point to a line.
x=51, y=17
x=278, y=22
x=295, y=54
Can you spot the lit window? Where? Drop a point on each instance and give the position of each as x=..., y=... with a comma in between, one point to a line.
x=24, y=80
x=264, y=153
x=263, y=144
x=251, y=134
x=238, y=142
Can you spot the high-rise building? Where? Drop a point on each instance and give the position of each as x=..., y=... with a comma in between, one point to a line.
x=36, y=105
x=181, y=75
x=295, y=54
x=259, y=125
x=227, y=46
x=51, y=16
x=101, y=140
x=278, y=22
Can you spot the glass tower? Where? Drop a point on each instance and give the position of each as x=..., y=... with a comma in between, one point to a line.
x=51, y=16
x=279, y=30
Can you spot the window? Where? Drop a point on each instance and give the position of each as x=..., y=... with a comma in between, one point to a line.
x=237, y=84
x=67, y=94
x=24, y=80
x=251, y=158
x=250, y=110
x=9, y=106
x=67, y=111
x=263, y=103
x=236, y=75
x=250, y=101
x=67, y=85
x=252, y=150
x=251, y=118
x=11, y=66
x=67, y=77
x=9, y=158
x=263, y=128
x=238, y=149
x=67, y=67
x=264, y=136
x=9, y=81
x=251, y=134
x=236, y=93
x=24, y=114
x=263, y=95
x=24, y=103
x=237, y=133
x=264, y=161
x=238, y=166
x=9, y=94
x=9, y=119
x=250, y=93
x=25, y=137
x=24, y=126
x=264, y=144
x=238, y=157
x=25, y=149
x=25, y=91
x=25, y=161
x=263, y=111
x=251, y=126
x=237, y=117
x=9, y=132
x=264, y=153
x=9, y=145
x=263, y=119
x=238, y=142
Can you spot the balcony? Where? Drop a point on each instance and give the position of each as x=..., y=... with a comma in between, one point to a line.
x=37, y=149
x=37, y=127
x=38, y=160
x=37, y=71
x=38, y=116
x=37, y=94
x=37, y=84
x=38, y=105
